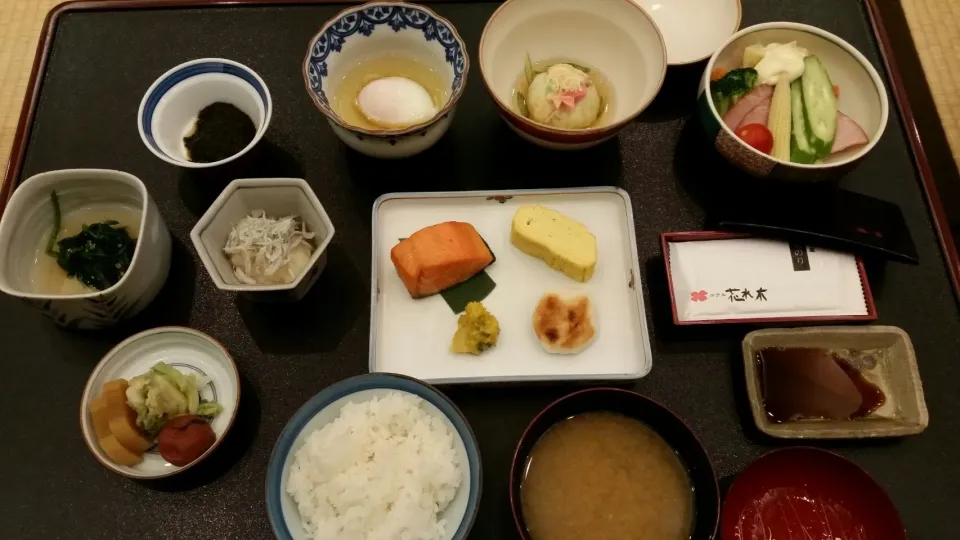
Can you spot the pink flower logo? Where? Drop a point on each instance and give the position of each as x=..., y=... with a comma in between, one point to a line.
x=698, y=296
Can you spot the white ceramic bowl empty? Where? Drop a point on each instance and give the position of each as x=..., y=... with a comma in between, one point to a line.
x=184, y=349
x=616, y=37
x=376, y=29
x=169, y=109
x=863, y=98
x=277, y=197
x=28, y=221
x=693, y=29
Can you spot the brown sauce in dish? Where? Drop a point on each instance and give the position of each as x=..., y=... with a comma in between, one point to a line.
x=606, y=476
x=810, y=383
x=871, y=394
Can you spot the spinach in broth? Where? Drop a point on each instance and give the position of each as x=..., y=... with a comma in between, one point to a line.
x=98, y=256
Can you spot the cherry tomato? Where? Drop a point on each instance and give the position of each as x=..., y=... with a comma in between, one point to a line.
x=757, y=136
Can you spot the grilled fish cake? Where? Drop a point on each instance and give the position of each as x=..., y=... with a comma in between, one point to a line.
x=564, y=326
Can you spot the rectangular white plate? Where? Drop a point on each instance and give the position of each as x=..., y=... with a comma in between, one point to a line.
x=412, y=337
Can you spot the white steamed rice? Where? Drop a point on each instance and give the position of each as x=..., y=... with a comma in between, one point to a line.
x=383, y=470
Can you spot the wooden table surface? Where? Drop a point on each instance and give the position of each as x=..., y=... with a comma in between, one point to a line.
x=935, y=25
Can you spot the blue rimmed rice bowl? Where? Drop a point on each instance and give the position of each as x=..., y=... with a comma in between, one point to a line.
x=376, y=29
x=325, y=407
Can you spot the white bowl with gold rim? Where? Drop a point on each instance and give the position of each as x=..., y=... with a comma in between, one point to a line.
x=377, y=29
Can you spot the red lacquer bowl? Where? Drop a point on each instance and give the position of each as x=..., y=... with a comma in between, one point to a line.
x=810, y=494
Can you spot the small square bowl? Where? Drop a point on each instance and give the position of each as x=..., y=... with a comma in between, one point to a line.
x=28, y=221
x=277, y=197
x=903, y=413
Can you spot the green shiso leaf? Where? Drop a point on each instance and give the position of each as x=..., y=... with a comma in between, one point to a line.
x=475, y=289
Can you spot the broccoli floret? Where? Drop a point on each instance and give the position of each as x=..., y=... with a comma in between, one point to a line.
x=728, y=90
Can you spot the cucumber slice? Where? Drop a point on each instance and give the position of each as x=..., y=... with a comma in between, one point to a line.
x=819, y=106
x=800, y=149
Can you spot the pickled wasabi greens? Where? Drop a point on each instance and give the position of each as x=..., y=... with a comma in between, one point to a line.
x=163, y=393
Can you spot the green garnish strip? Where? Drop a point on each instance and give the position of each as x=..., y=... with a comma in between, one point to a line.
x=52, y=242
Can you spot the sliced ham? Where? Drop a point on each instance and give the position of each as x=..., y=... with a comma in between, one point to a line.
x=747, y=103
x=757, y=115
x=849, y=134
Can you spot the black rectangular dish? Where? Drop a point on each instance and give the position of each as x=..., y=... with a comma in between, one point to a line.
x=94, y=63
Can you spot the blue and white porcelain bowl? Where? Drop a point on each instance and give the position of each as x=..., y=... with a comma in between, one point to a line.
x=169, y=109
x=374, y=29
x=324, y=408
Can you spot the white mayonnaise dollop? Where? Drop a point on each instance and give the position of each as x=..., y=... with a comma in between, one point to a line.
x=781, y=60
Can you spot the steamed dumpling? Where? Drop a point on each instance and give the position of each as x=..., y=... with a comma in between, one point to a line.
x=563, y=97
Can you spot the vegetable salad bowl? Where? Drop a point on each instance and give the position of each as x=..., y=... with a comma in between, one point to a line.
x=862, y=97
x=376, y=29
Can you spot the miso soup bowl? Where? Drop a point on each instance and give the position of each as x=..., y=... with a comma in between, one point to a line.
x=615, y=37
x=377, y=29
x=28, y=221
x=862, y=97
x=676, y=433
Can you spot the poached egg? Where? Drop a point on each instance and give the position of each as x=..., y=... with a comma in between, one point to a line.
x=395, y=103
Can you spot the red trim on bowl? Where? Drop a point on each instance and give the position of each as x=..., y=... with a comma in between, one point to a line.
x=570, y=136
x=514, y=504
x=688, y=236
x=543, y=132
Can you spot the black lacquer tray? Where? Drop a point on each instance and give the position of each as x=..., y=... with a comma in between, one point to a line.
x=94, y=63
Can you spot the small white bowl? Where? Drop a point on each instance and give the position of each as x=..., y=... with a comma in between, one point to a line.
x=28, y=221
x=693, y=29
x=863, y=98
x=170, y=107
x=277, y=197
x=184, y=349
x=616, y=37
x=375, y=29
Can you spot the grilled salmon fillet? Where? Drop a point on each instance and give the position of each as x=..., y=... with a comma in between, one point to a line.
x=440, y=256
